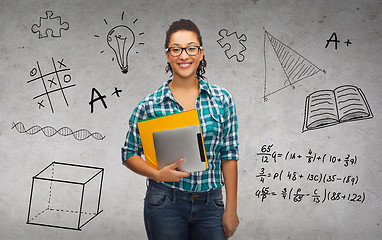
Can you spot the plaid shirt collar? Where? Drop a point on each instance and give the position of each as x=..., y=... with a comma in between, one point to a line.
x=166, y=91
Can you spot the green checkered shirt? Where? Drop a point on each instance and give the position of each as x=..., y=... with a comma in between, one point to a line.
x=218, y=120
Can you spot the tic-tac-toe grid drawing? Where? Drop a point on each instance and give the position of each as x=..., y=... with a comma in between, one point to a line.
x=65, y=195
x=54, y=82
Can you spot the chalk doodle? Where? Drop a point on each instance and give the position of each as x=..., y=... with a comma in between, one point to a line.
x=233, y=44
x=49, y=131
x=294, y=66
x=286, y=176
x=325, y=108
x=101, y=98
x=98, y=98
x=65, y=195
x=333, y=39
x=55, y=81
x=49, y=26
x=121, y=39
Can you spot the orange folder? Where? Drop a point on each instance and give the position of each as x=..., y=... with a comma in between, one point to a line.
x=177, y=120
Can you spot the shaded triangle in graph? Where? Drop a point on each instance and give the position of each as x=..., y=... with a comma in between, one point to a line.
x=294, y=66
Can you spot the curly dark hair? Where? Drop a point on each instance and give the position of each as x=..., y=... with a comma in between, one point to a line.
x=188, y=25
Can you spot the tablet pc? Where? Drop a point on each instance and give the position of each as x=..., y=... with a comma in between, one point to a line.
x=174, y=144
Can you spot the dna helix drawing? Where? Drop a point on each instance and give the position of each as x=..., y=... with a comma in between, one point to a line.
x=49, y=131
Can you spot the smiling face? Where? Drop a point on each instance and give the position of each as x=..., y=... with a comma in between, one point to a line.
x=184, y=66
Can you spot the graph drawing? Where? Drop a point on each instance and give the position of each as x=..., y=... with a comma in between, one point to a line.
x=294, y=66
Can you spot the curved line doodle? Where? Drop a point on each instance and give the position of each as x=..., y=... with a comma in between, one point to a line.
x=49, y=131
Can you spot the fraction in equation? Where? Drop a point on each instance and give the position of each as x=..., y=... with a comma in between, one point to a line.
x=268, y=154
x=313, y=157
x=279, y=175
x=297, y=195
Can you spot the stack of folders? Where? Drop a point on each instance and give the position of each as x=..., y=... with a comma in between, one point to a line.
x=169, y=138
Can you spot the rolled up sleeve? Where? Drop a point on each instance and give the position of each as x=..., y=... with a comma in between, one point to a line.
x=230, y=150
x=133, y=144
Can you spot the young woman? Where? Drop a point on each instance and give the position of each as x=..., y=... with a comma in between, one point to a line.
x=181, y=205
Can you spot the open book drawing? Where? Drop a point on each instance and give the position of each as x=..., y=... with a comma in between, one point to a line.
x=325, y=108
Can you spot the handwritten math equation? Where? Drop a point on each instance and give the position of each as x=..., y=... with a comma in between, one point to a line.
x=269, y=158
x=268, y=155
x=312, y=177
x=297, y=195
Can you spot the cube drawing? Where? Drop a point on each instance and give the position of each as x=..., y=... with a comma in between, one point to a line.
x=65, y=196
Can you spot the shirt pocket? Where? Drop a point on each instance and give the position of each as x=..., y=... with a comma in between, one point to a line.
x=214, y=124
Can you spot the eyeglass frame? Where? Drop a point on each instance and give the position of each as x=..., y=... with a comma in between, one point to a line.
x=185, y=49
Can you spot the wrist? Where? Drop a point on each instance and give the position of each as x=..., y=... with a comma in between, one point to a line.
x=156, y=175
x=230, y=207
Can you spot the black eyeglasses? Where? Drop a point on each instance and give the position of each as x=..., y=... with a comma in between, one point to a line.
x=177, y=51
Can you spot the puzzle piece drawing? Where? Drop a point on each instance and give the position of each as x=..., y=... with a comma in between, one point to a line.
x=233, y=44
x=49, y=26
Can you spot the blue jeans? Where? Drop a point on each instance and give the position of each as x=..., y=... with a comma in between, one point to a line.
x=172, y=214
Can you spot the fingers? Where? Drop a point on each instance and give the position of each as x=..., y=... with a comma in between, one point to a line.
x=225, y=232
x=177, y=164
x=174, y=175
x=228, y=234
x=170, y=174
x=229, y=227
x=182, y=174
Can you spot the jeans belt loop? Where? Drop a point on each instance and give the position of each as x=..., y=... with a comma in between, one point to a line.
x=173, y=195
x=208, y=197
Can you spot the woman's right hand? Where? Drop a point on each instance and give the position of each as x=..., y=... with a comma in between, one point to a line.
x=170, y=174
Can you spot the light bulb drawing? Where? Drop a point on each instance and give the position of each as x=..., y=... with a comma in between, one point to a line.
x=121, y=39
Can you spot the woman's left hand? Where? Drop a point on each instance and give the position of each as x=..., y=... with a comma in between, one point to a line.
x=230, y=223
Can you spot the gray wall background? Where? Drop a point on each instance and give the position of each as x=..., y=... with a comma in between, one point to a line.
x=304, y=26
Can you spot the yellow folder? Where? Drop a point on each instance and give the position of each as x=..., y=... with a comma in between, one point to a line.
x=177, y=120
